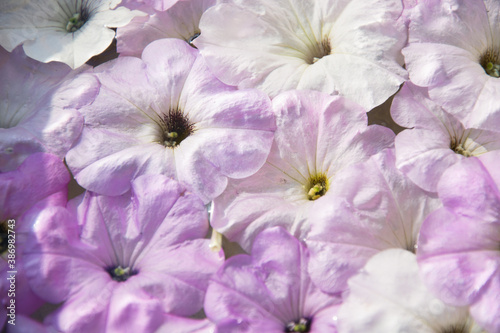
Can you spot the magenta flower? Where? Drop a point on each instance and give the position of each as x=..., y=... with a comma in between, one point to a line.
x=167, y=114
x=269, y=291
x=459, y=245
x=120, y=263
x=435, y=139
x=389, y=296
x=181, y=21
x=376, y=208
x=38, y=108
x=454, y=50
x=40, y=181
x=317, y=136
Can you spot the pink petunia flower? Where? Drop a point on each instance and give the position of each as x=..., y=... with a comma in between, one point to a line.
x=269, y=291
x=40, y=181
x=317, y=136
x=376, y=208
x=167, y=114
x=459, y=245
x=181, y=21
x=454, y=50
x=38, y=108
x=435, y=139
x=120, y=263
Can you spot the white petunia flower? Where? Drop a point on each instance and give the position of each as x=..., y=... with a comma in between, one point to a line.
x=352, y=48
x=387, y=295
x=69, y=31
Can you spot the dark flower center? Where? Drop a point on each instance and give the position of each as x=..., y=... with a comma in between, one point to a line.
x=192, y=38
x=316, y=186
x=78, y=19
x=458, y=148
x=4, y=235
x=302, y=325
x=175, y=128
x=490, y=62
x=120, y=274
x=322, y=49
x=463, y=328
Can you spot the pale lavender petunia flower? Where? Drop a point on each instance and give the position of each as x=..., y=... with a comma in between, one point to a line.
x=40, y=181
x=435, y=139
x=38, y=108
x=459, y=245
x=387, y=295
x=120, y=263
x=181, y=21
x=336, y=46
x=68, y=31
x=377, y=208
x=269, y=291
x=167, y=114
x=454, y=49
x=317, y=135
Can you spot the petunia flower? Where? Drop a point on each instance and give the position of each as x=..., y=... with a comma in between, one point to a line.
x=387, y=295
x=347, y=47
x=40, y=181
x=120, y=263
x=167, y=114
x=454, y=50
x=181, y=21
x=69, y=31
x=269, y=291
x=38, y=108
x=317, y=136
x=459, y=245
x=376, y=208
x=435, y=139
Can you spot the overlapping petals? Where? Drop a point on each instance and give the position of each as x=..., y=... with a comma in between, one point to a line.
x=346, y=47
x=119, y=263
x=181, y=21
x=435, y=139
x=167, y=114
x=69, y=31
x=40, y=181
x=317, y=135
x=269, y=291
x=38, y=108
x=389, y=296
x=459, y=246
x=376, y=208
x=451, y=46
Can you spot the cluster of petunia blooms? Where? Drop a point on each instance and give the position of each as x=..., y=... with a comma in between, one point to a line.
x=258, y=110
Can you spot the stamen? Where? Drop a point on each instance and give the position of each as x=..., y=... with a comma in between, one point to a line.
x=303, y=325
x=458, y=148
x=119, y=273
x=316, y=186
x=175, y=128
x=75, y=22
x=323, y=49
x=490, y=61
